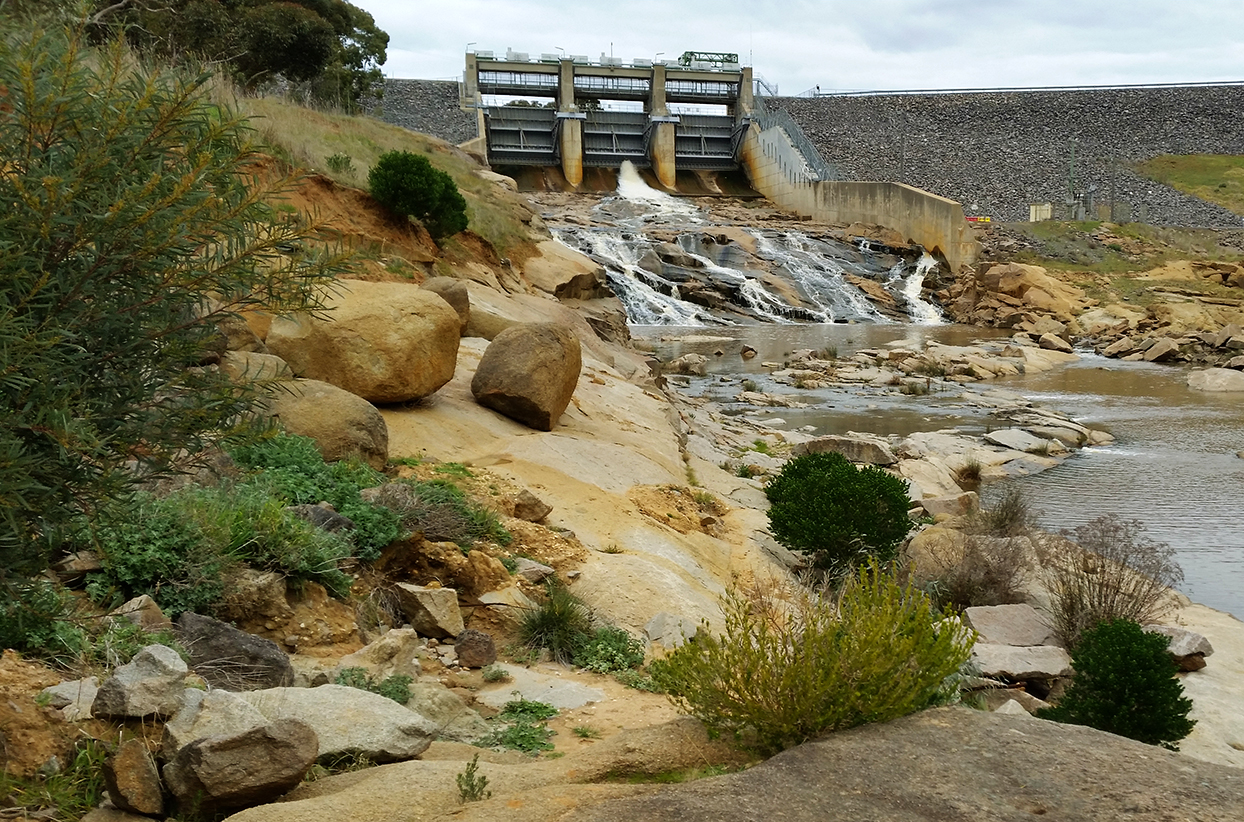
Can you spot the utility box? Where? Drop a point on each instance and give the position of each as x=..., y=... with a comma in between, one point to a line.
x=1040, y=212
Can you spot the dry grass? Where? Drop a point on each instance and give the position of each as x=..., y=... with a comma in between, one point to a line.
x=306, y=138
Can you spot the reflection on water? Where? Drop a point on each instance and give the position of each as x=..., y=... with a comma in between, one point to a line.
x=1174, y=465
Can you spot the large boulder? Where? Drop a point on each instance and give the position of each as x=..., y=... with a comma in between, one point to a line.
x=348, y=720
x=1010, y=625
x=385, y=342
x=232, y=659
x=858, y=448
x=150, y=684
x=529, y=373
x=1216, y=379
x=342, y=424
x=208, y=713
x=454, y=292
x=1034, y=287
x=249, y=768
x=1016, y=663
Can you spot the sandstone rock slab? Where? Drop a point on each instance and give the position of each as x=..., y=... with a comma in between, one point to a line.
x=859, y=449
x=395, y=653
x=1021, y=663
x=1216, y=379
x=1019, y=625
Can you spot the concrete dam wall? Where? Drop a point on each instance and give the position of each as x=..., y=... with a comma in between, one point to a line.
x=1000, y=151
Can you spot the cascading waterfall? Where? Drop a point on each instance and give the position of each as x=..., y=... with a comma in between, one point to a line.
x=790, y=278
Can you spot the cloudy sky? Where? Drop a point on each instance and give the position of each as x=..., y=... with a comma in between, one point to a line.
x=841, y=44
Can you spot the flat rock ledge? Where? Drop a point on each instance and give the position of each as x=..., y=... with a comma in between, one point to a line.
x=953, y=763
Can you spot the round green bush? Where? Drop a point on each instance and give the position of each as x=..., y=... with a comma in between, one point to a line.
x=838, y=514
x=408, y=185
x=1125, y=684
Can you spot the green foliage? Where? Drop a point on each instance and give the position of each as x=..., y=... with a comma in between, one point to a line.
x=562, y=623
x=586, y=732
x=840, y=515
x=1125, y=684
x=132, y=224
x=36, y=620
x=639, y=680
x=66, y=796
x=525, y=730
x=792, y=665
x=330, y=46
x=341, y=163
x=495, y=673
x=609, y=650
x=179, y=548
x=121, y=640
x=396, y=687
x=1108, y=570
x=408, y=185
x=472, y=786
x=294, y=470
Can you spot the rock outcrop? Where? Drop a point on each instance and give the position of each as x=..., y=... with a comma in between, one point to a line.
x=342, y=424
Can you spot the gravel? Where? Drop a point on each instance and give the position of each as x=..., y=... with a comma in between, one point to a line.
x=996, y=152
x=429, y=107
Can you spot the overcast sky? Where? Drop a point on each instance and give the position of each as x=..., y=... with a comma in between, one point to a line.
x=840, y=44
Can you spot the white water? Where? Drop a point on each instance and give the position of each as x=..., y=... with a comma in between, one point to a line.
x=921, y=311
x=633, y=188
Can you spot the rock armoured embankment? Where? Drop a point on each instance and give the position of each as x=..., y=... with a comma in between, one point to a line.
x=996, y=152
x=429, y=107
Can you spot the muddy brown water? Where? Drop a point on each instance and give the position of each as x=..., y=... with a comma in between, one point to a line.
x=1174, y=465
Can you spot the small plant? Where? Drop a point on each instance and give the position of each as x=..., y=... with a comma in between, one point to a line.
x=829, y=352
x=525, y=731
x=1107, y=571
x=1125, y=684
x=761, y=446
x=838, y=514
x=750, y=385
x=396, y=687
x=1009, y=516
x=408, y=185
x=472, y=786
x=969, y=474
x=495, y=673
x=980, y=570
x=705, y=501
x=65, y=795
x=639, y=681
x=37, y=620
x=748, y=471
x=527, y=710
x=795, y=663
x=453, y=469
x=341, y=163
x=562, y=623
x=610, y=650
x=510, y=563
x=586, y=732
x=916, y=389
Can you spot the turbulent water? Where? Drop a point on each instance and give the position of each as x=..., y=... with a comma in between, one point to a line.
x=1173, y=467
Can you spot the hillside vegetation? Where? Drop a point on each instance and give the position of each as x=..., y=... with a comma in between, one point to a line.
x=1218, y=178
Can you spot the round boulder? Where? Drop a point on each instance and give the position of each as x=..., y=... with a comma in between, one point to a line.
x=385, y=342
x=454, y=292
x=529, y=372
x=342, y=424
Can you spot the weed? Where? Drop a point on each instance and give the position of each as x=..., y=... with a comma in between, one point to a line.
x=1108, y=570
x=495, y=673
x=341, y=164
x=66, y=795
x=760, y=446
x=1009, y=516
x=472, y=786
x=748, y=471
x=396, y=687
x=705, y=501
x=750, y=385
x=586, y=732
x=829, y=352
x=37, y=620
x=525, y=731
x=562, y=623
x=968, y=475
x=510, y=563
x=639, y=681
x=980, y=570
x=609, y=650
x=453, y=469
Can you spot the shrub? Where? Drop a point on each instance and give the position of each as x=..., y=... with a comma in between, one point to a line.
x=562, y=623
x=840, y=515
x=396, y=687
x=610, y=650
x=341, y=163
x=1125, y=684
x=472, y=787
x=133, y=223
x=525, y=730
x=793, y=664
x=981, y=570
x=36, y=620
x=408, y=185
x=1009, y=516
x=1114, y=573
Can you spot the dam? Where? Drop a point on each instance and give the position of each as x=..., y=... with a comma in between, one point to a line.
x=577, y=127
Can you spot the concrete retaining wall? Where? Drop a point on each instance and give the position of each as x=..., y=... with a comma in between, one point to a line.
x=934, y=222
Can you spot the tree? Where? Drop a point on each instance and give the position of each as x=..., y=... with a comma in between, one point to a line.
x=331, y=45
x=822, y=505
x=134, y=221
x=1125, y=684
x=408, y=185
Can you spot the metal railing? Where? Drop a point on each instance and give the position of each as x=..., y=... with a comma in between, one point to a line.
x=767, y=118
